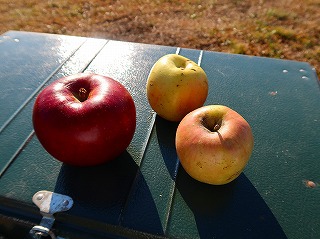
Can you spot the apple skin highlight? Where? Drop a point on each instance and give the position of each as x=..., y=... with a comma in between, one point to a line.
x=84, y=119
x=214, y=144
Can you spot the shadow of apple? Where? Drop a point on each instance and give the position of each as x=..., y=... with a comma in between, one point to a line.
x=98, y=191
x=101, y=194
x=234, y=210
x=166, y=133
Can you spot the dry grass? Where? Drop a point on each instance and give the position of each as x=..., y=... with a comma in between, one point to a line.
x=287, y=29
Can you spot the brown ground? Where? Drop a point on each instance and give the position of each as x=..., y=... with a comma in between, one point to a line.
x=288, y=29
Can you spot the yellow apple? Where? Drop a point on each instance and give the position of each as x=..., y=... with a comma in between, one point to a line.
x=214, y=144
x=176, y=86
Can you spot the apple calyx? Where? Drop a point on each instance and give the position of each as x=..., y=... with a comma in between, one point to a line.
x=82, y=94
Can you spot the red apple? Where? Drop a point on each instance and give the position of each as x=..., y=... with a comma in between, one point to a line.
x=84, y=119
x=214, y=144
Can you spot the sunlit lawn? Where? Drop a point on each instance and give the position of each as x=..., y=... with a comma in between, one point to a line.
x=270, y=28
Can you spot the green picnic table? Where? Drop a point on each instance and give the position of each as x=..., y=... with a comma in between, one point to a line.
x=145, y=193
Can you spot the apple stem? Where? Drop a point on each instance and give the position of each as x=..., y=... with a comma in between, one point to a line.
x=82, y=94
x=216, y=127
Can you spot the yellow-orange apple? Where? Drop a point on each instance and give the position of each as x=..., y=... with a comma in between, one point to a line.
x=214, y=144
x=176, y=86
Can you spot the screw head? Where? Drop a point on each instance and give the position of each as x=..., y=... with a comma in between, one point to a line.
x=40, y=196
x=65, y=203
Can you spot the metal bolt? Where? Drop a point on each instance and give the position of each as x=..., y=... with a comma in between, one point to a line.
x=40, y=196
x=65, y=202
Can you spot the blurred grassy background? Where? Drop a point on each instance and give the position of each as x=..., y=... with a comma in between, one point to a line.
x=286, y=29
